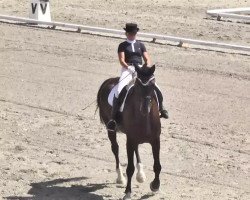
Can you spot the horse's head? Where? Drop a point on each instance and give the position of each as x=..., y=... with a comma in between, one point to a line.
x=145, y=83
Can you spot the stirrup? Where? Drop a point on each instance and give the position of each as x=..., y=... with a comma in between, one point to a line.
x=164, y=114
x=111, y=125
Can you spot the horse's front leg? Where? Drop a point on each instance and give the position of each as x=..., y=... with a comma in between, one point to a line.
x=115, y=149
x=130, y=168
x=140, y=176
x=155, y=184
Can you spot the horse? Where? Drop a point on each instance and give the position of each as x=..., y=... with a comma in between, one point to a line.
x=140, y=121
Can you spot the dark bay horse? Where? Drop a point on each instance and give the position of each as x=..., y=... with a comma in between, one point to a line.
x=140, y=121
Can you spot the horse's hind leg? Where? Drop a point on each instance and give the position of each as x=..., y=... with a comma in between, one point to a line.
x=115, y=149
x=140, y=176
x=155, y=184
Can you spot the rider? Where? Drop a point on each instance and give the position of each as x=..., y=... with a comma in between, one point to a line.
x=131, y=52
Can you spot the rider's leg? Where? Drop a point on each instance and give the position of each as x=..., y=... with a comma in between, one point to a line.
x=163, y=111
x=117, y=102
x=125, y=78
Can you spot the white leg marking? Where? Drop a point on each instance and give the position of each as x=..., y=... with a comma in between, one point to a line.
x=127, y=196
x=120, y=177
x=140, y=176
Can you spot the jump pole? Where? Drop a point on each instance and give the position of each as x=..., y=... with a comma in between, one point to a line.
x=120, y=33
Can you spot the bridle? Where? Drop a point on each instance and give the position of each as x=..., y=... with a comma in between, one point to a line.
x=146, y=98
x=147, y=83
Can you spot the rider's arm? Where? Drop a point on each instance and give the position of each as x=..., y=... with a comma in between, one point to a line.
x=145, y=55
x=121, y=56
x=146, y=58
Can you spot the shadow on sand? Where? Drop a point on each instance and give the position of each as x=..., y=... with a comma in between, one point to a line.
x=50, y=191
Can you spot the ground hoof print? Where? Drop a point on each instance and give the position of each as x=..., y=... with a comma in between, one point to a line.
x=154, y=186
x=127, y=196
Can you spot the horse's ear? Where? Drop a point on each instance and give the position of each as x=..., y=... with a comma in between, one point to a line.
x=152, y=69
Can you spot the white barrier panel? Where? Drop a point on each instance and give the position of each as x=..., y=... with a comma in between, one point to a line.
x=231, y=10
x=119, y=32
x=230, y=13
x=40, y=10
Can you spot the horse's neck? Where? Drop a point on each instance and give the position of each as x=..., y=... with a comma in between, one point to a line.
x=135, y=98
x=137, y=93
x=133, y=114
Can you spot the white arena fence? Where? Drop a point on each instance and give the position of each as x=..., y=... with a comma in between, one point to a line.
x=234, y=13
x=120, y=33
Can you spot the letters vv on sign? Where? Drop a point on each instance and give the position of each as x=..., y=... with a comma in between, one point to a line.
x=43, y=7
x=40, y=10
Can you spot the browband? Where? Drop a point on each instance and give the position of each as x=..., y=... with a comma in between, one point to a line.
x=145, y=84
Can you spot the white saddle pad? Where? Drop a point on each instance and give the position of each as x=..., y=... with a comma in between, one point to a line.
x=112, y=94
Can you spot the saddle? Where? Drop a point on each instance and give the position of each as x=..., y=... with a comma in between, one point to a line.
x=112, y=94
x=129, y=87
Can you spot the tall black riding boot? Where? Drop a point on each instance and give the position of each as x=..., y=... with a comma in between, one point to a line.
x=163, y=111
x=111, y=125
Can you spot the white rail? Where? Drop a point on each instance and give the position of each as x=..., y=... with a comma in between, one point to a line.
x=61, y=24
x=231, y=10
x=121, y=33
x=230, y=13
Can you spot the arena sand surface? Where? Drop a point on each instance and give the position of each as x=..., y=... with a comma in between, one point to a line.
x=52, y=145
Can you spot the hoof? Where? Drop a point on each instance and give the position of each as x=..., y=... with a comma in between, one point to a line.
x=154, y=187
x=141, y=177
x=127, y=196
x=121, y=180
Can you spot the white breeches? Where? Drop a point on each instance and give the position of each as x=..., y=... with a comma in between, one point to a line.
x=125, y=78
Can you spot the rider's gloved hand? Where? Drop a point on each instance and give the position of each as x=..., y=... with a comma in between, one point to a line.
x=131, y=68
